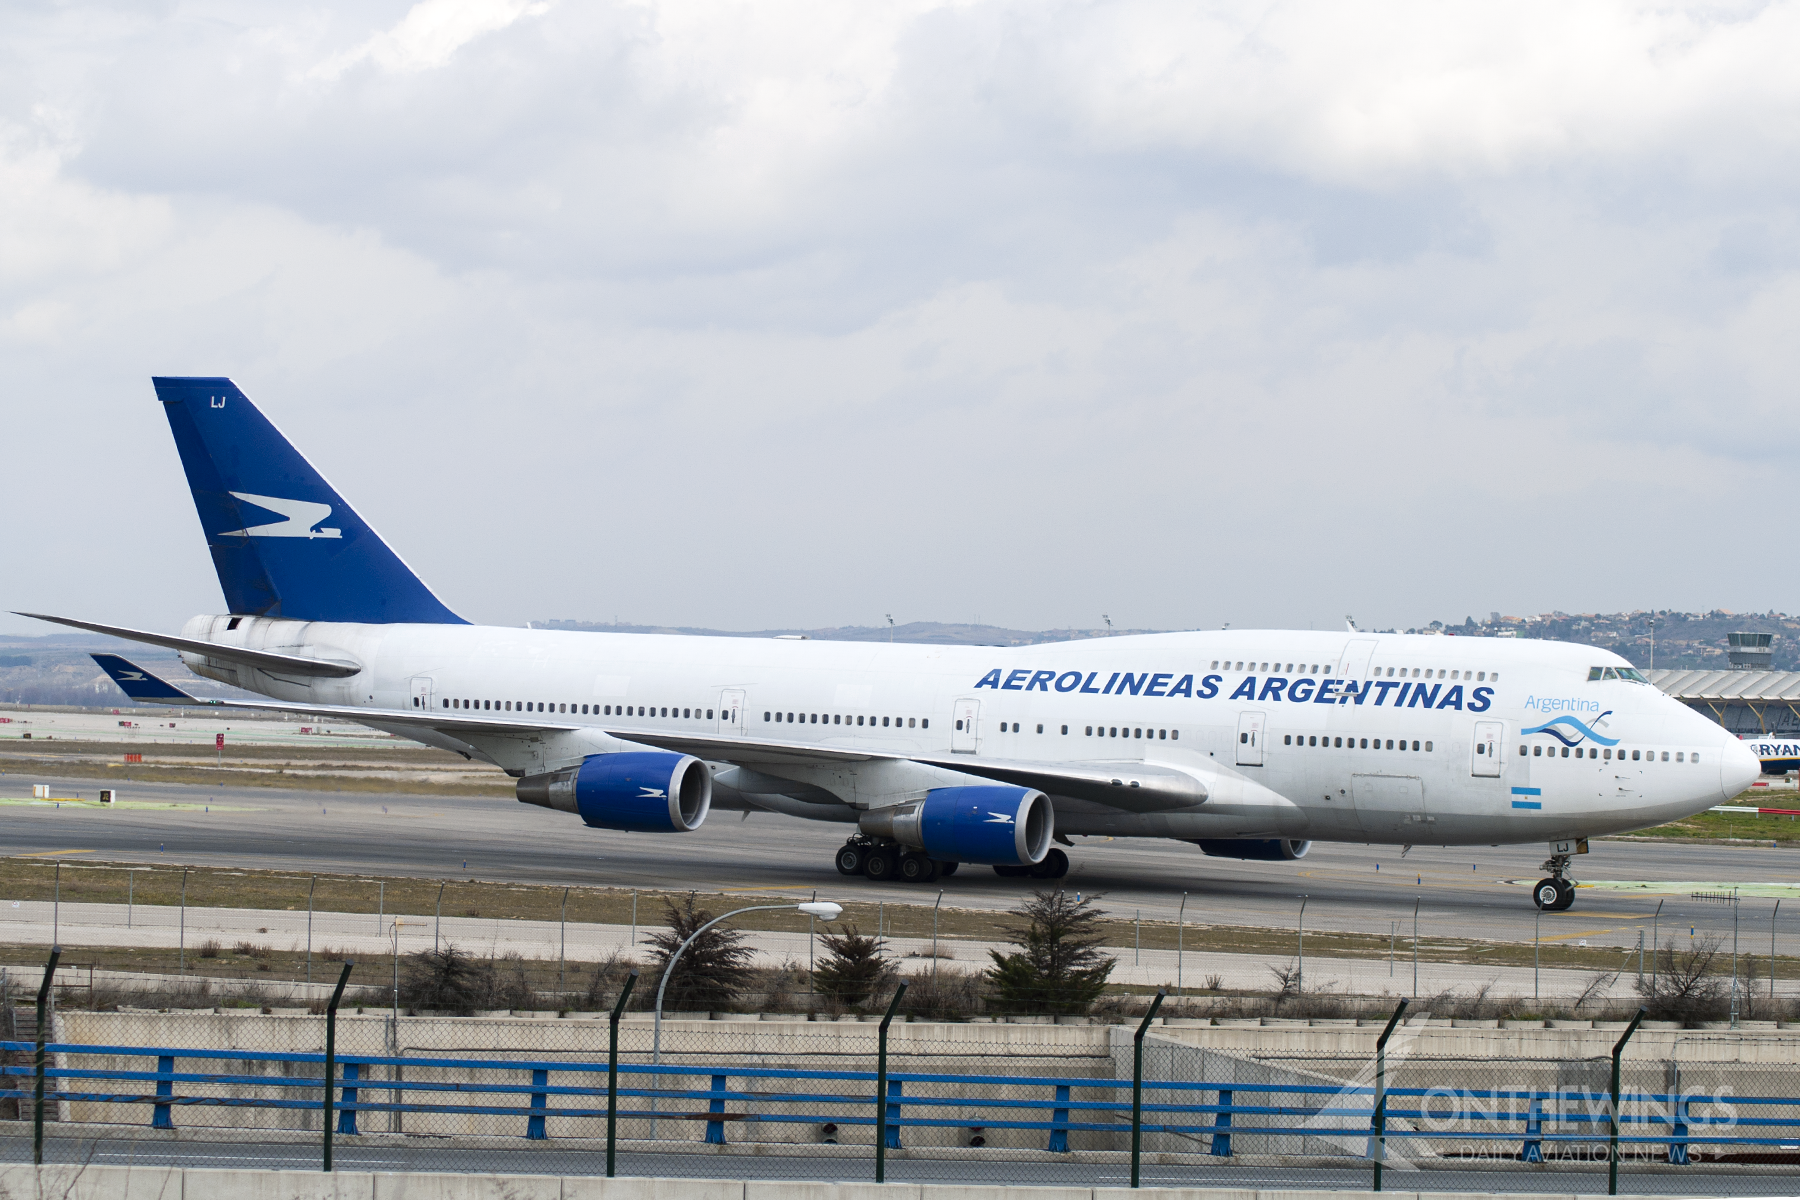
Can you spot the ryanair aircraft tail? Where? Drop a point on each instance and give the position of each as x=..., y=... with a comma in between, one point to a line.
x=284, y=542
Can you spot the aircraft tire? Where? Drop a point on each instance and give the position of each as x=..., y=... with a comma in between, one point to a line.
x=1054, y=866
x=916, y=868
x=947, y=869
x=880, y=864
x=850, y=860
x=1566, y=900
x=1010, y=872
x=1547, y=894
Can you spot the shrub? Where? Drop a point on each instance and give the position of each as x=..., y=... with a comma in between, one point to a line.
x=209, y=948
x=854, y=968
x=712, y=972
x=1057, y=968
x=1686, y=986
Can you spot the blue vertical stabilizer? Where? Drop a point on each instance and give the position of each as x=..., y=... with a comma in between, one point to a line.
x=284, y=542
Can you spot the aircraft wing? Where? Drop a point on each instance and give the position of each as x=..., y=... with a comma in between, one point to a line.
x=267, y=660
x=1135, y=786
x=140, y=684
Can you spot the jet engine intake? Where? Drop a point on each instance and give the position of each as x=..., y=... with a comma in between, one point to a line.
x=1008, y=826
x=652, y=791
x=1254, y=849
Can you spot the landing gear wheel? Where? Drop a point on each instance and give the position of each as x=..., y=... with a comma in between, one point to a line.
x=1011, y=872
x=1054, y=866
x=879, y=863
x=916, y=868
x=850, y=860
x=947, y=869
x=1567, y=899
x=1547, y=895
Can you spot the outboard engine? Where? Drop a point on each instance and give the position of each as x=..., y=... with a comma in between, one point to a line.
x=1254, y=849
x=652, y=791
x=996, y=825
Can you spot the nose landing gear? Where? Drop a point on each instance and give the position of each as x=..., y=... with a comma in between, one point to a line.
x=1555, y=894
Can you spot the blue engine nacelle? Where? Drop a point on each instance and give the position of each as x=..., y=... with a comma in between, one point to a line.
x=976, y=824
x=1255, y=849
x=650, y=791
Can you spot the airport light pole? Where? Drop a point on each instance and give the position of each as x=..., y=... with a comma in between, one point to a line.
x=823, y=909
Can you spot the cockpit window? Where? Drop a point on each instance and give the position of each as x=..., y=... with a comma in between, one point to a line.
x=1627, y=673
x=1609, y=673
x=1633, y=674
x=1594, y=673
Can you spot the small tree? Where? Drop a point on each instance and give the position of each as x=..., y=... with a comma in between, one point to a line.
x=1057, y=968
x=1685, y=986
x=444, y=980
x=854, y=969
x=713, y=971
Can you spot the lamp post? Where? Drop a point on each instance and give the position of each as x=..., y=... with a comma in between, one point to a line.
x=823, y=909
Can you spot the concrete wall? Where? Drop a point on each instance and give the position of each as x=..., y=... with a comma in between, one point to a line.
x=175, y=1183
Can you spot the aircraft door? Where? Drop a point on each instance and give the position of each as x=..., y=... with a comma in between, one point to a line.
x=421, y=691
x=963, y=733
x=1250, y=738
x=1354, y=662
x=1485, y=757
x=731, y=712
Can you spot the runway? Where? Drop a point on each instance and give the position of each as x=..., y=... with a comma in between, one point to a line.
x=1467, y=892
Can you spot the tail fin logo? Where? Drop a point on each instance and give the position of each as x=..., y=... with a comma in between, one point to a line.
x=297, y=518
x=129, y=676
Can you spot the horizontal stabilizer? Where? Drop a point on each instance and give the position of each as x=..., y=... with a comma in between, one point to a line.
x=138, y=683
x=267, y=660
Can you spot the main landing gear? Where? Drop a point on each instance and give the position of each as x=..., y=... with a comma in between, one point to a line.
x=882, y=861
x=1554, y=894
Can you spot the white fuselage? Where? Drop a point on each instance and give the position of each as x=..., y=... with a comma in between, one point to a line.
x=1314, y=721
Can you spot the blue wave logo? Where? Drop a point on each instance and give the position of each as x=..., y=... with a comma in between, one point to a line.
x=1581, y=731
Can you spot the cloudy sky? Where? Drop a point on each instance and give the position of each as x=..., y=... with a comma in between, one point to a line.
x=796, y=314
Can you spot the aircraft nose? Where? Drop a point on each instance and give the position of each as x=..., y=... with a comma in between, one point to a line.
x=1738, y=768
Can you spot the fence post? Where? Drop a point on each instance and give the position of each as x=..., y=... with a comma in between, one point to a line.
x=1380, y=1117
x=331, y=1010
x=534, y=1124
x=1612, y=1154
x=1221, y=1138
x=347, y=1118
x=715, y=1130
x=43, y=1022
x=160, y=1116
x=1059, y=1121
x=1533, y=1149
x=612, y=1068
x=1137, y=1084
x=881, y=1100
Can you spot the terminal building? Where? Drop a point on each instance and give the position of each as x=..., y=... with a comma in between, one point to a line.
x=1757, y=704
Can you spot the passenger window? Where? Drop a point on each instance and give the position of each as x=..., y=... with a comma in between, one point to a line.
x=1089, y=731
x=1040, y=729
x=1427, y=747
x=1537, y=751
x=1338, y=744
x=1365, y=744
x=1065, y=730
x=1239, y=667
x=924, y=722
x=765, y=716
x=1174, y=735
x=1113, y=731
x=884, y=722
x=1693, y=758
x=709, y=714
x=1312, y=741
x=1243, y=739
x=912, y=723
x=1286, y=739
x=1494, y=677
x=1015, y=727
x=1665, y=756
x=958, y=725
x=1137, y=733
x=1565, y=752
x=1390, y=744
x=1480, y=675
x=859, y=720
x=1679, y=756
x=1290, y=668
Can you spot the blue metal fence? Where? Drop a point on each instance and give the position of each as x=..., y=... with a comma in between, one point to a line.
x=1664, y=1124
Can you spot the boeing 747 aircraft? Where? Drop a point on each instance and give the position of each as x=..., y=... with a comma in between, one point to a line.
x=1247, y=744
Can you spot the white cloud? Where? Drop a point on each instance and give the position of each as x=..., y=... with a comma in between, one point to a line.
x=430, y=34
x=1246, y=312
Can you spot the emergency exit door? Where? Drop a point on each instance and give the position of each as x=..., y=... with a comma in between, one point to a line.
x=421, y=691
x=1250, y=738
x=962, y=726
x=731, y=713
x=1484, y=756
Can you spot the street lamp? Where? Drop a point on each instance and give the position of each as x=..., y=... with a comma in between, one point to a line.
x=825, y=910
